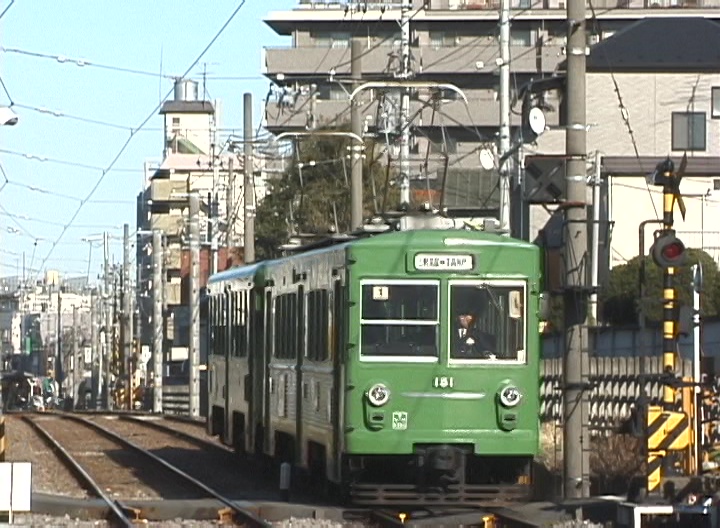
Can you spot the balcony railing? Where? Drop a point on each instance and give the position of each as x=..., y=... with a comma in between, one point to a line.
x=341, y=4
x=492, y=5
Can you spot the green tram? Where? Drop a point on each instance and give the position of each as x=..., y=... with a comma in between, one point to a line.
x=402, y=366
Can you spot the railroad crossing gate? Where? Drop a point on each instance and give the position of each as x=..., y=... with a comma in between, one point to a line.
x=666, y=431
x=15, y=488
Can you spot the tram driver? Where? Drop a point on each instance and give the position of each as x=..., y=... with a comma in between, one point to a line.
x=469, y=341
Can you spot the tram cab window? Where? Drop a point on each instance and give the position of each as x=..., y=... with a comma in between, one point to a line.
x=487, y=321
x=399, y=319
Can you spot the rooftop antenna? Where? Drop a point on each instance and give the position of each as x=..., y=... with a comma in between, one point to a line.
x=160, y=78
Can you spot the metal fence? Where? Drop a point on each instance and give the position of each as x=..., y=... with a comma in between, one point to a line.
x=615, y=385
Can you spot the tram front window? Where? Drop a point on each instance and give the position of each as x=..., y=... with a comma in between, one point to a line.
x=488, y=321
x=399, y=320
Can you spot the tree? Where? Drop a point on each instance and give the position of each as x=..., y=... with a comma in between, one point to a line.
x=313, y=196
x=620, y=299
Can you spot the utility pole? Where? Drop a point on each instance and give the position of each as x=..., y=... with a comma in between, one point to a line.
x=59, y=374
x=107, y=352
x=504, y=144
x=230, y=205
x=74, y=359
x=249, y=194
x=194, y=282
x=127, y=310
x=405, y=74
x=94, y=364
x=212, y=204
x=157, y=320
x=576, y=440
x=356, y=175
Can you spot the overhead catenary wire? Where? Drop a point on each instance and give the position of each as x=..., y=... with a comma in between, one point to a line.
x=133, y=133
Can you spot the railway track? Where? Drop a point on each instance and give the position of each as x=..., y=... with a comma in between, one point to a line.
x=128, y=470
x=153, y=457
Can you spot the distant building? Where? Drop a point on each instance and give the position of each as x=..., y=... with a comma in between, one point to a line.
x=29, y=323
x=193, y=161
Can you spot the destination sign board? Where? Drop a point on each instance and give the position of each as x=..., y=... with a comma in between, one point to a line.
x=443, y=262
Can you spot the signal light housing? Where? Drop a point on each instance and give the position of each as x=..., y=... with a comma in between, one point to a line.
x=668, y=251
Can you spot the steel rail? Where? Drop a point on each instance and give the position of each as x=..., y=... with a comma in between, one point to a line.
x=117, y=509
x=246, y=516
x=154, y=424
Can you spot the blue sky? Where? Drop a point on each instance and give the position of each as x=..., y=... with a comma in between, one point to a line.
x=132, y=34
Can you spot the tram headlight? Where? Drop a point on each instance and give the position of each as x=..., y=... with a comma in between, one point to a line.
x=510, y=396
x=378, y=395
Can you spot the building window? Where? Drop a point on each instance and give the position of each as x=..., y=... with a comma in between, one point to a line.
x=521, y=37
x=176, y=121
x=715, y=102
x=332, y=40
x=688, y=131
x=443, y=39
x=446, y=146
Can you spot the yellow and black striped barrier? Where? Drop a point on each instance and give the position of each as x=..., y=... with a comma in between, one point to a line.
x=3, y=444
x=666, y=431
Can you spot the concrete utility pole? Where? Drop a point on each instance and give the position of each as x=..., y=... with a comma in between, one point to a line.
x=356, y=123
x=405, y=74
x=576, y=441
x=249, y=194
x=95, y=372
x=194, y=282
x=107, y=353
x=74, y=359
x=595, y=266
x=230, y=205
x=504, y=143
x=157, y=320
x=127, y=310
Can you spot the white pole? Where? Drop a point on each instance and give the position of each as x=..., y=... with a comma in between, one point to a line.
x=697, y=288
x=504, y=144
x=595, y=264
x=405, y=106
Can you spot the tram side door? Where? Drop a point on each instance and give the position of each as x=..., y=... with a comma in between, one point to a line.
x=226, y=310
x=300, y=391
x=264, y=356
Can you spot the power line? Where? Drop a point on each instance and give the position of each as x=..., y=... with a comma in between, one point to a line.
x=44, y=159
x=62, y=59
x=624, y=113
x=134, y=131
x=7, y=8
x=55, y=113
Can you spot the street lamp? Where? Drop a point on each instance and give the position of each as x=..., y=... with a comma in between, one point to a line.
x=7, y=116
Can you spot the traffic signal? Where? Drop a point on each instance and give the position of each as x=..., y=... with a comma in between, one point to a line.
x=668, y=251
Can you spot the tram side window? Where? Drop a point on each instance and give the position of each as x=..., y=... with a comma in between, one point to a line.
x=318, y=323
x=211, y=325
x=231, y=310
x=221, y=326
x=244, y=321
x=239, y=326
x=286, y=326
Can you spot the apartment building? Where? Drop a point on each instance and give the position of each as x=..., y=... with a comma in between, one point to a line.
x=451, y=41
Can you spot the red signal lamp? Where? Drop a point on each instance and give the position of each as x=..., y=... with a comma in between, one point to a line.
x=668, y=251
